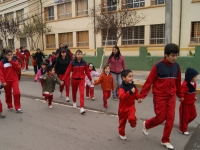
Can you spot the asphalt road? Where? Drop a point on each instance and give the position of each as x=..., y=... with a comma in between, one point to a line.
x=62, y=127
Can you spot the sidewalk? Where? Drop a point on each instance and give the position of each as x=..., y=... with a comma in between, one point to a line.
x=139, y=76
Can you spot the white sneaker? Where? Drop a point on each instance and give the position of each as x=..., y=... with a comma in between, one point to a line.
x=67, y=99
x=87, y=97
x=82, y=110
x=50, y=107
x=74, y=105
x=145, y=131
x=45, y=101
x=167, y=145
x=122, y=137
x=19, y=111
x=93, y=98
x=10, y=109
x=132, y=128
x=24, y=70
x=184, y=133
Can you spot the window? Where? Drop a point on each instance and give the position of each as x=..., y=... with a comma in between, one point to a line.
x=157, y=2
x=157, y=34
x=1, y=44
x=49, y=13
x=11, y=44
x=9, y=16
x=82, y=38
x=66, y=38
x=111, y=37
x=133, y=35
x=23, y=42
x=81, y=7
x=195, y=32
x=64, y=10
x=50, y=41
x=20, y=14
x=126, y=4
x=109, y=5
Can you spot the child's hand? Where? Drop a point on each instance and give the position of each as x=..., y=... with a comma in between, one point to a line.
x=44, y=78
x=195, y=98
x=133, y=90
x=61, y=82
x=140, y=100
x=4, y=84
x=181, y=99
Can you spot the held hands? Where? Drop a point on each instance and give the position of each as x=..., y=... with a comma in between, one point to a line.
x=61, y=82
x=4, y=84
x=44, y=78
x=181, y=99
x=133, y=90
x=140, y=100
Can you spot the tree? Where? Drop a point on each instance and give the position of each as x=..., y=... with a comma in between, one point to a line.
x=33, y=29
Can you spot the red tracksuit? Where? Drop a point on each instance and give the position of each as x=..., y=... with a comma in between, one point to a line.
x=187, y=109
x=8, y=75
x=1, y=108
x=27, y=56
x=22, y=59
x=166, y=80
x=127, y=109
x=78, y=69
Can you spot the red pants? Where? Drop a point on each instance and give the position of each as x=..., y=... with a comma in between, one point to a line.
x=22, y=63
x=42, y=84
x=89, y=91
x=27, y=62
x=48, y=97
x=66, y=84
x=164, y=108
x=106, y=95
x=12, y=85
x=75, y=85
x=1, y=108
x=123, y=117
x=187, y=113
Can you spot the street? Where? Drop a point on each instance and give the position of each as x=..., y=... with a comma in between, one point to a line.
x=63, y=127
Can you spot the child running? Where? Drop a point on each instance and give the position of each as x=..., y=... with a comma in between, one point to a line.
x=128, y=93
x=187, y=109
x=40, y=74
x=2, y=115
x=89, y=86
x=107, y=84
x=50, y=79
x=79, y=68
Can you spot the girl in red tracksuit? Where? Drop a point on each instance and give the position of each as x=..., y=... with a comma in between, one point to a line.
x=128, y=93
x=27, y=56
x=9, y=78
x=79, y=68
x=187, y=109
x=22, y=58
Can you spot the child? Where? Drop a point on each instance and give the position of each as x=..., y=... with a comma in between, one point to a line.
x=107, y=84
x=9, y=69
x=165, y=77
x=50, y=80
x=187, y=109
x=22, y=58
x=34, y=64
x=50, y=59
x=79, y=68
x=128, y=93
x=27, y=56
x=1, y=109
x=40, y=74
x=89, y=86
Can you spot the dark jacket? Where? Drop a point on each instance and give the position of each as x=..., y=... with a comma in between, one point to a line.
x=61, y=65
x=50, y=83
x=39, y=57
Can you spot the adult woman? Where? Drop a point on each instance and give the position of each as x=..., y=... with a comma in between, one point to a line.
x=60, y=48
x=39, y=58
x=61, y=66
x=117, y=65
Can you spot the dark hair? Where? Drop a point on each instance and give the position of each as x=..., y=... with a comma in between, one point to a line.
x=47, y=61
x=53, y=53
x=93, y=66
x=125, y=73
x=43, y=63
x=50, y=56
x=8, y=51
x=21, y=48
x=171, y=48
x=38, y=49
x=49, y=68
x=105, y=66
x=117, y=55
x=66, y=47
x=60, y=44
x=78, y=51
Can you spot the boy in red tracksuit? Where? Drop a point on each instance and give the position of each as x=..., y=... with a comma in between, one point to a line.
x=79, y=68
x=187, y=109
x=128, y=93
x=27, y=56
x=22, y=58
x=9, y=78
x=165, y=79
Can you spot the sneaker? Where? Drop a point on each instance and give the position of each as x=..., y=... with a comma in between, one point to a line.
x=82, y=110
x=50, y=106
x=93, y=98
x=74, y=105
x=10, y=109
x=122, y=137
x=2, y=115
x=87, y=97
x=67, y=99
x=132, y=128
x=45, y=101
x=19, y=111
x=184, y=133
x=167, y=145
x=145, y=131
x=114, y=98
x=24, y=70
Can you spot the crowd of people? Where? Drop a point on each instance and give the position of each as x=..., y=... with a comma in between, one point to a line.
x=63, y=69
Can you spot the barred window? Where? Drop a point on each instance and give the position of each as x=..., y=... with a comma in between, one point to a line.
x=49, y=13
x=111, y=37
x=157, y=34
x=20, y=14
x=66, y=38
x=126, y=4
x=64, y=10
x=11, y=44
x=133, y=35
x=23, y=42
x=82, y=38
x=109, y=5
x=50, y=41
x=195, y=32
x=81, y=7
x=157, y=2
x=9, y=16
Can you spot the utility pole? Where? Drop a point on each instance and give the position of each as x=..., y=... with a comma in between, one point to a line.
x=42, y=22
x=168, y=21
